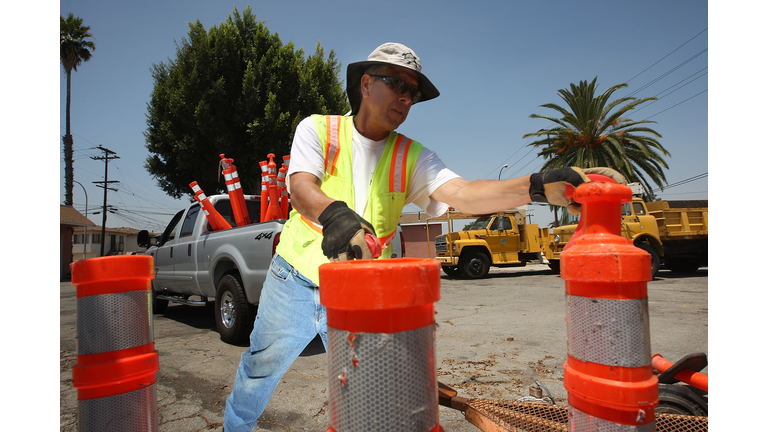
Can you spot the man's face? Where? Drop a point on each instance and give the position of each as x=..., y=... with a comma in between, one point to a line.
x=388, y=109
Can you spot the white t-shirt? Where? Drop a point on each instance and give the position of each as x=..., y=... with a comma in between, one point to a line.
x=430, y=172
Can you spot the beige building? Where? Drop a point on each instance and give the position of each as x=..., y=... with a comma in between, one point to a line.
x=69, y=220
x=86, y=242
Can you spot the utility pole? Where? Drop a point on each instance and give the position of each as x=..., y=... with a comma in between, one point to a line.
x=108, y=155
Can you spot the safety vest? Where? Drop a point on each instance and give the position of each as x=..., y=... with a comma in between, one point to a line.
x=301, y=239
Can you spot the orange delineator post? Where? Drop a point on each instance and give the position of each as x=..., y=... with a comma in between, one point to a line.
x=607, y=374
x=214, y=217
x=264, y=190
x=116, y=357
x=235, y=191
x=381, y=341
x=281, y=187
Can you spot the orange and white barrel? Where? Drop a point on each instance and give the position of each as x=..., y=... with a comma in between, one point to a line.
x=381, y=344
x=115, y=375
x=607, y=374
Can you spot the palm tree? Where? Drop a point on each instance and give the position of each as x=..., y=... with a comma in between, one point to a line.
x=74, y=49
x=590, y=135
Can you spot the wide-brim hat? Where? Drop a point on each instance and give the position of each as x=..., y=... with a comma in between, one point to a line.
x=390, y=53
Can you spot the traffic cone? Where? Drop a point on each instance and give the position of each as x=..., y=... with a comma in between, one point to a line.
x=381, y=344
x=216, y=220
x=607, y=374
x=116, y=357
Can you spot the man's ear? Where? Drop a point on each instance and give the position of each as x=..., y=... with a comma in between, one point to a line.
x=365, y=85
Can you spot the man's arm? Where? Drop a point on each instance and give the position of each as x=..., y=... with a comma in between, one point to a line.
x=484, y=196
x=307, y=197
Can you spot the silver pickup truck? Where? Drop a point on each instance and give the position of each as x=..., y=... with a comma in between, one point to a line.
x=229, y=266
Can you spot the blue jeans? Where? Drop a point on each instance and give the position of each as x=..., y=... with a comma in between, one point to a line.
x=290, y=316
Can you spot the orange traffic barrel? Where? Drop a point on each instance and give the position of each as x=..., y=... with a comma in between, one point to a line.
x=381, y=344
x=607, y=374
x=116, y=357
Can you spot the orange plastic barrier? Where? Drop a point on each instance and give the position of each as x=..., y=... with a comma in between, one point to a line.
x=264, y=190
x=116, y=357
x=215, y=218
x=608, y=372
x=381, y=341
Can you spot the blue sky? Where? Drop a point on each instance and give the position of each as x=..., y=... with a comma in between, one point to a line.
x=494, y=62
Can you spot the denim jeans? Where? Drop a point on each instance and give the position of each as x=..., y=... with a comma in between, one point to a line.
x=289, y=317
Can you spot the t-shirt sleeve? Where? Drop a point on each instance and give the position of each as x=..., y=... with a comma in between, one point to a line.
x=306, y=152
x=430, y=173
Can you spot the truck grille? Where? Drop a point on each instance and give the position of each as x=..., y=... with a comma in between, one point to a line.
x=441, y=244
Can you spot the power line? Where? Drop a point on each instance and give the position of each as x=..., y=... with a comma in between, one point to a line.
x=685, y=181
x=667, y=55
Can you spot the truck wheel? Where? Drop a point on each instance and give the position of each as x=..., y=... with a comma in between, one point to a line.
x=158, y=305
x=234, y=320
x=683, y=265
x=655, y=263
x=474, y=265
x=555, y=266
x=452, y=272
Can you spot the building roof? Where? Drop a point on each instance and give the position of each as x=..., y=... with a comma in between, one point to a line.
x=108, y=230
x=70, y=216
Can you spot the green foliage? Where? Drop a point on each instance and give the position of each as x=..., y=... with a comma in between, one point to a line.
x=590, y=135
x=233, y=89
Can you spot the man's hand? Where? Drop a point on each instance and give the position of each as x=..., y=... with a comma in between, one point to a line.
x=549, y=186
x=344, y=233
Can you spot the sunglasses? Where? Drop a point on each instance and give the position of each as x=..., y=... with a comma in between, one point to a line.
x=399, y=86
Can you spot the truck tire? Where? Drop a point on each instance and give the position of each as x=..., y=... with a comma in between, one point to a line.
x=683, y=265
x=158, y=305
x=474, y=265
x=234, y=319
x=452, y=272
x=655, y=263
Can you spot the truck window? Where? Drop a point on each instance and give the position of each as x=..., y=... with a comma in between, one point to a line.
x=189, y=221
x=479, y=223
x=639, y=209
x=626, y=210
x=170, y=230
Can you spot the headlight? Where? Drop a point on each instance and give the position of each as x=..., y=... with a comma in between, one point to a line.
x=453, y=247
x=557, y=238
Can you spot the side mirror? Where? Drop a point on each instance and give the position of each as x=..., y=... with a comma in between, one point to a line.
x=144, y=240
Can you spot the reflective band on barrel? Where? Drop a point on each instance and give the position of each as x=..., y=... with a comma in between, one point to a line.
x=607, y=331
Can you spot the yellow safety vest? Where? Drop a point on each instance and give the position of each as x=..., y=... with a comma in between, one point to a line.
x=300, y=241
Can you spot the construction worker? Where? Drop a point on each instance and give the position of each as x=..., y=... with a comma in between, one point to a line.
x=350, y=176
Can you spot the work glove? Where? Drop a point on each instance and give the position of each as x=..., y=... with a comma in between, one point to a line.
x=344, y=234
x=550, y=186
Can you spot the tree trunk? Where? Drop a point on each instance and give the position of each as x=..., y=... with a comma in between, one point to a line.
x=69, y=172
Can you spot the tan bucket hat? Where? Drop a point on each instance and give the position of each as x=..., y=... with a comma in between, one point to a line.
x=389, y=53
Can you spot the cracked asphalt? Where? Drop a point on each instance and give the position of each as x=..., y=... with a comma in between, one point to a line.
x=495, y=338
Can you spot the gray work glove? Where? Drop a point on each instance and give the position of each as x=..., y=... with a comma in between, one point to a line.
x=344, y=233
x=549, y=186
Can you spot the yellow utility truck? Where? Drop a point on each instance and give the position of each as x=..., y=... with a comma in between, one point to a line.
x=500, y=240
x=673, y=232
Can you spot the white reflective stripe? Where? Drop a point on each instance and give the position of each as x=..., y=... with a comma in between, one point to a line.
x=195, y=188
x=237, y=185
x=227, y=176
x=611, y=332
x=230, y=188
x=205, y=212
x=202, y=196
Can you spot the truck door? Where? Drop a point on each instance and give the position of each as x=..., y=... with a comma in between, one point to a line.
x=504, y=240
x=184, y=252
x=163, y=255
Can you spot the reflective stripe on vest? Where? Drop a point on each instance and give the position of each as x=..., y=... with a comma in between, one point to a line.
x=332, y=138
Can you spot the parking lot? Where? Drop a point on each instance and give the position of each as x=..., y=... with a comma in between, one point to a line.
x=495, y=337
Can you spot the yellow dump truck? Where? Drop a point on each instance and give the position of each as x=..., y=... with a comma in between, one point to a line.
x=673, y=232
x=500, y=240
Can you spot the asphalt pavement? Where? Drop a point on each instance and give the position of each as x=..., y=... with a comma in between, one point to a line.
x=495, y=338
